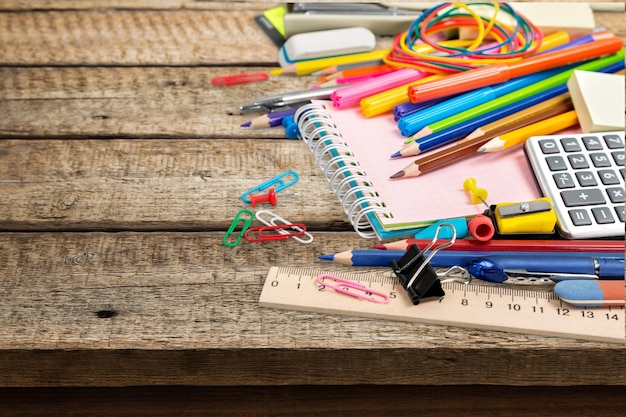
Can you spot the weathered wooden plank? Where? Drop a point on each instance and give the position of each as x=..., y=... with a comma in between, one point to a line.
x=122, y=37
x=154, y=184
x=180, y=308
x=311, y=401
x=131, y=102
x=233, y=5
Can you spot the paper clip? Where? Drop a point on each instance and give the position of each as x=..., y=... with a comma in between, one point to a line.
x=279, y=183
x=275, y=220
x=352, y=288
x=282, y=229
x=239, y=218
x=239, y=78
x=415, y=272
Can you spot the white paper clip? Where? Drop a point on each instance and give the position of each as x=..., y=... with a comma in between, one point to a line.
x=279, y=183
x=275, y=220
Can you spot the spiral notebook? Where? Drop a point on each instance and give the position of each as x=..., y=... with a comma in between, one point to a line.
x=353, y=153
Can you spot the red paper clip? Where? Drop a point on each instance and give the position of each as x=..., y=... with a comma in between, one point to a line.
x=282, y=229
x=239, y=78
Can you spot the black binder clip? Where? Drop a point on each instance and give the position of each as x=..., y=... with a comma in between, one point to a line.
x=416, y=274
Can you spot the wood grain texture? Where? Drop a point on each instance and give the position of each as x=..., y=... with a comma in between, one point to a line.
x=154, y=184
x=124, y=302
x=120, y=170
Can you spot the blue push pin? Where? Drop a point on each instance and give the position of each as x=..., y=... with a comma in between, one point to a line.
x=291, y=127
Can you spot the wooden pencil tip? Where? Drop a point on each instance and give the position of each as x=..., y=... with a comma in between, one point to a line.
x=398, y=174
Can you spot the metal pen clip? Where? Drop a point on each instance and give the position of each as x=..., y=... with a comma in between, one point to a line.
x=523, y=276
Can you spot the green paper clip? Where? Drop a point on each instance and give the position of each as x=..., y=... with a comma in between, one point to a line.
x=240, y=217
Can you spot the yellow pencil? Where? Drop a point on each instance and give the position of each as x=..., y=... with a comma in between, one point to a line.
x=309, y=67
x=545, y=127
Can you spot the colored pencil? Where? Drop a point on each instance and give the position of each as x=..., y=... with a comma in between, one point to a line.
x=544, y=127
x=515, y=245
x=355, y=72
x=336, y=68
x=461, y=130
x=559, y=79
x=469, y=145
x=611, y=264
x=270, y=119
x=499, y=73
x=308, y=67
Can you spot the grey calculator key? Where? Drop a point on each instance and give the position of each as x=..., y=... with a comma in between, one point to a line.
x=556, y=163
x=619, y=210
x=549, y=146
x=600, y=160
x=608, y=177
x=586, y=179
x=618, y=157
x=580, y=217
x=585, y=197
x=570, y=145
x=602, y=215
x=616, y=194
x=578, y=161
x=592, y=143
x=613, y=141
x=564, y=180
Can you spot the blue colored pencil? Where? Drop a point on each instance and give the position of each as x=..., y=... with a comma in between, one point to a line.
x=612, y=265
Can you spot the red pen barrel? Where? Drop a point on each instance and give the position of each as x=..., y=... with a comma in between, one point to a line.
x=459, y=83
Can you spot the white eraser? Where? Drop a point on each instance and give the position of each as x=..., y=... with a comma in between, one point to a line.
x=598, y=99
x=326, y=43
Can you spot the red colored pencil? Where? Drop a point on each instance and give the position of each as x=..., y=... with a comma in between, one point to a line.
x=516, y=245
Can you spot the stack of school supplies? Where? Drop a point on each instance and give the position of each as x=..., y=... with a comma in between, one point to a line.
x=472, y=81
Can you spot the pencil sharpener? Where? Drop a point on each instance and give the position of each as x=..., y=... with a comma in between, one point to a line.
x=532, y=217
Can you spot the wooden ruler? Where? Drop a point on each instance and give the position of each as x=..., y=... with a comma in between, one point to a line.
x=493, y=307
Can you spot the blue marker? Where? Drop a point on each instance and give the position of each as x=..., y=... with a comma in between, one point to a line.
x=415, y=122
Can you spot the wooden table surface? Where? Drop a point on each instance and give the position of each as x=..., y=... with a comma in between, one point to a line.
x=121, y=167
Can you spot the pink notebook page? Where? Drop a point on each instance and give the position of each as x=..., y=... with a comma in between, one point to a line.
x=436, y=195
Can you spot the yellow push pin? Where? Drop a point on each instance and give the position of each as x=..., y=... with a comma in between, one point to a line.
x=477, y=194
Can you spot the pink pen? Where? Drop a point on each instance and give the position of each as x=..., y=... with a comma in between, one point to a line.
x=351, y=95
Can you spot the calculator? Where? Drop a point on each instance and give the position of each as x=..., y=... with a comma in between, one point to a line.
x=583, y=174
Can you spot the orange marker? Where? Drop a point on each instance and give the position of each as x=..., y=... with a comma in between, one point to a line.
x=499, y=73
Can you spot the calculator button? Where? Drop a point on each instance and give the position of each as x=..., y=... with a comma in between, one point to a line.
x=586, y=197
x=578, y=161
x=580, y=217
x=564, y=180
x=602, y=215
x=548, y=146
x=608, y=177
x=586, y=179
x=600, y=160
x=618, y=157
x=556, y=163
x=619, y=210
x=616, y=194
x=613, y=142
x=592, y=143
x=570, y=145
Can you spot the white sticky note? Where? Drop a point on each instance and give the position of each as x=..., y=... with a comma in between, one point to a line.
x=598, y=99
